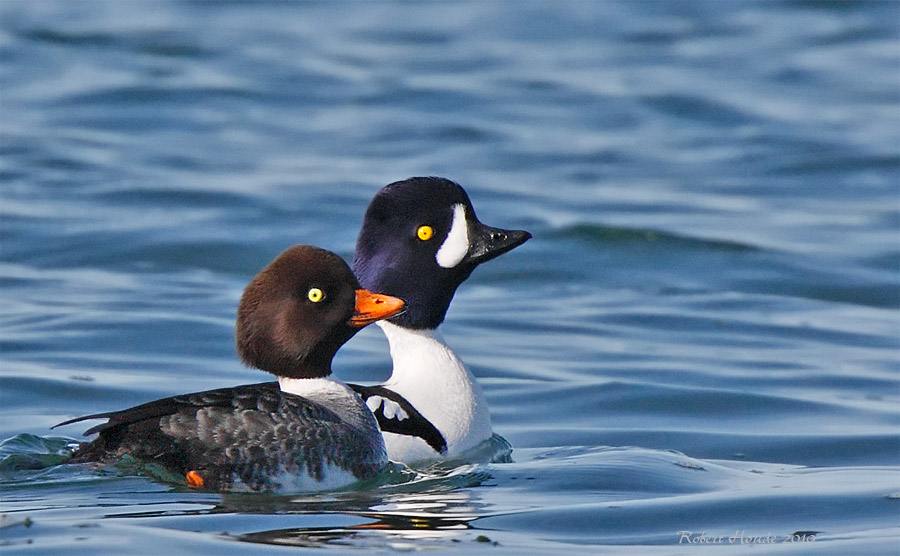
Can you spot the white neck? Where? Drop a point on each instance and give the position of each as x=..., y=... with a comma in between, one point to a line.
x=330, y=393
x=312, y=387
x=433, y=379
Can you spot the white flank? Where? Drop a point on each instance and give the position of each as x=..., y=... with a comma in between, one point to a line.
x=290, y=483
x=456, y=244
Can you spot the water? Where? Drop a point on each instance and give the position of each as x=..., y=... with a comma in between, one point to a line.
x=702, y=337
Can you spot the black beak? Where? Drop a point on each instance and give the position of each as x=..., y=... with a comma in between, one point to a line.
x=487, y=243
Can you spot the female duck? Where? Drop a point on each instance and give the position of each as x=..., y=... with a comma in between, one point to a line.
x=306, y=432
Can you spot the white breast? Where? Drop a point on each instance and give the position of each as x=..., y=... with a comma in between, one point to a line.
x=433, y=379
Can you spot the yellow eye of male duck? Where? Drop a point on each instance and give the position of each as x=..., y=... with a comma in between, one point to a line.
x=315, y=295
x=425, y=232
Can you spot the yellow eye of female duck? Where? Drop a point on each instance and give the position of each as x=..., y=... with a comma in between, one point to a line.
x=425, y=232
x=315, y=295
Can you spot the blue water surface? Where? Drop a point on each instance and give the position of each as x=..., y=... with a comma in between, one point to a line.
x=697, y=352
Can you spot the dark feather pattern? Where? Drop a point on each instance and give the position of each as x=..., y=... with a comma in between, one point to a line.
x=248, y=436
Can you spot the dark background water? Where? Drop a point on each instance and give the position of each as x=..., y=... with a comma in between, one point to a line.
x=702, y=336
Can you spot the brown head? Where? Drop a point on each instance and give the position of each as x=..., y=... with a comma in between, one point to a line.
x=300, y=309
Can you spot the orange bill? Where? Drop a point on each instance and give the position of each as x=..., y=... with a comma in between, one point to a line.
x=371, y=307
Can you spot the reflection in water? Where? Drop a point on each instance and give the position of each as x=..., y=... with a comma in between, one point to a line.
x=441, y=516
x=436, y=505
x=429, y=504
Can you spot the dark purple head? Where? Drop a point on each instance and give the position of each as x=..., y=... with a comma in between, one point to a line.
x=420, y=239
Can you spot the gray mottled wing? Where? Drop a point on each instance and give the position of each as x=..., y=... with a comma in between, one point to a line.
x=250, y=434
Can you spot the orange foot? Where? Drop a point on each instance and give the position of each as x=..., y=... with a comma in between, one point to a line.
x=194, y=479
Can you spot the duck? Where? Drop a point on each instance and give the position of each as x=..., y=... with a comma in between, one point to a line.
x=420, y=239
x=306, y=432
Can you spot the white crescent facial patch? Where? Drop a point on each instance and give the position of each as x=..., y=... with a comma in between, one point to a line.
x=456, y=244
